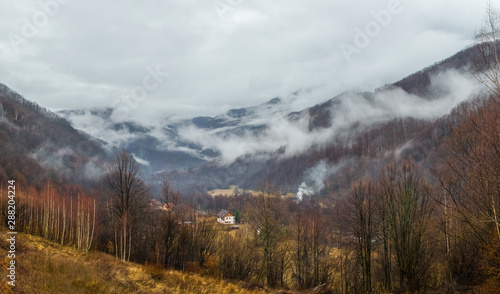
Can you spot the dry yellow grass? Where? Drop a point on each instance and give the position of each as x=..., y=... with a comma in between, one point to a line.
x=47, y=267
x=230, y=193
x=221, y=192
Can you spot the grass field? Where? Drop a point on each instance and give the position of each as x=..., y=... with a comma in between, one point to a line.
x=47, y=267
x=231, y=192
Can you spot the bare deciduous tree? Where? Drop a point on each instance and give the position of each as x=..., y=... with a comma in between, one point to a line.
x=310, y=258
x=268, y=219
x=486, y=64
x=362, y=223
x=206, y=239
x=408, y=209
x=125, y=194
x=170, y=222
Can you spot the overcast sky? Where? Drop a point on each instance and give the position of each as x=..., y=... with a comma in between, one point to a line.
x=191, y=57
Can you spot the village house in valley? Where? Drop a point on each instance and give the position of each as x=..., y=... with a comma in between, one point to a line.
x=155, y=204
x=225, y=217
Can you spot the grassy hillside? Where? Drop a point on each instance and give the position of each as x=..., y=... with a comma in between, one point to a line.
x=47, y=267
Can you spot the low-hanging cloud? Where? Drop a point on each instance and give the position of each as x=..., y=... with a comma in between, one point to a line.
x=294, y=136
x=69, y=162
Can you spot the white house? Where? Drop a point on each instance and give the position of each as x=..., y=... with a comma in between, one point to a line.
x=225, y=217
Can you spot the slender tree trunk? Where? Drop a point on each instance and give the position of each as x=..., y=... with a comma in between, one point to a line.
x=63, y=221
x=91, y=236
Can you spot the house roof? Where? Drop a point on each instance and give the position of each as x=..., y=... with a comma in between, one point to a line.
x=169, y=205
x=222, y=213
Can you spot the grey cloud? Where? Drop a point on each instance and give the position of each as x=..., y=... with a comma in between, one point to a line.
x=91, y=52
x=348, y=109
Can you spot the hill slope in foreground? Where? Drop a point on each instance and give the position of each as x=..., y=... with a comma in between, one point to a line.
x=47, y=267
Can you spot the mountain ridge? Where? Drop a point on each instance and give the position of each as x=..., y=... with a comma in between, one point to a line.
x=44, y=144
x=251, y=139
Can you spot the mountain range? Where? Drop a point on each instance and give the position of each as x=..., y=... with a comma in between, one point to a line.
x=320, y=149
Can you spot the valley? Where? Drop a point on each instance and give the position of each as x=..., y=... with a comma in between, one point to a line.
x=250, y=147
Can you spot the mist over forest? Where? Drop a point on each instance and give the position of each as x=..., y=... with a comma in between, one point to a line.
x=279, y=173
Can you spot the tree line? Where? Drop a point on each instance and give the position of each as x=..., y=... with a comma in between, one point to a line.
x=410, y=228
x=402, y=231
